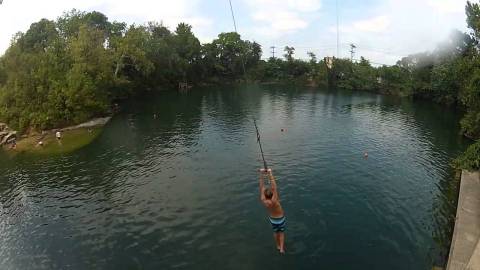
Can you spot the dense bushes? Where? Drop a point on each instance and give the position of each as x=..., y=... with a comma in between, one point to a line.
x=470, y=160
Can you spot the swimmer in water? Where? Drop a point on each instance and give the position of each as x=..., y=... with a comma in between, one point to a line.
x=271, y=200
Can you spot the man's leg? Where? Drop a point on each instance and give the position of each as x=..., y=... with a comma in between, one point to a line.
x=281, y=238
x=277, y=240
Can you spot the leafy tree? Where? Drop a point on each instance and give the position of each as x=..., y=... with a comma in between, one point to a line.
x=472, y=11
x=188, y=53
x=289, y=52
x=394, y=80
x=313, y=57
x=131, y=61
x=70, y=22
x=90, y=77
x=229, y=56
x=471, y=98
x=40, y=36
x=160, y=52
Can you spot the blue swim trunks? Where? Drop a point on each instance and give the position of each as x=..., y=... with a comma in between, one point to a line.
x=278, y=224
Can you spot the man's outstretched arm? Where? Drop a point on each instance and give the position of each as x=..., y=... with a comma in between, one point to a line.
x=262, y=187
x=273, y=185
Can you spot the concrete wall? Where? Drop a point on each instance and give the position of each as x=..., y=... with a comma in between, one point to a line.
x=465, y=248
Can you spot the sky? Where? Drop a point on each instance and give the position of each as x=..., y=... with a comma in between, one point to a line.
x=382, y=30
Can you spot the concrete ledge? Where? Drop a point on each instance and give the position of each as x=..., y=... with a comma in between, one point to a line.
x=465, y=247
x=474, y=262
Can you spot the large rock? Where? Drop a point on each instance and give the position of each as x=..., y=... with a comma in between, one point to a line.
x=3, y=135
x=10, y=137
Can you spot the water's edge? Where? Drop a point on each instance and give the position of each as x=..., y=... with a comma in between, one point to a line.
x=465, y=247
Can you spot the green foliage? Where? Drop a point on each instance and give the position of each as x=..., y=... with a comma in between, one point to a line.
x=445, y=84
x=289, y=52
x=394, y=80
x=473, y=18
x=470, y=160
x=229, y=56
x=471, y=99
x=188, y=53
x=276, y=69
x=359, y=76
x=67, y=71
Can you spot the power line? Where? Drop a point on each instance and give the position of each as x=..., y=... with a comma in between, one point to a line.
x=235, y=26
x=233, y=16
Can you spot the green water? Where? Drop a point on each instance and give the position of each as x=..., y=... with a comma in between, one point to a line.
x=179, y=191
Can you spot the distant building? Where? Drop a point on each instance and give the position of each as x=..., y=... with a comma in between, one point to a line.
x=329, y=61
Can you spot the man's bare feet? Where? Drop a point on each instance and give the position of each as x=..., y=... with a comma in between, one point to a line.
x=282, y=251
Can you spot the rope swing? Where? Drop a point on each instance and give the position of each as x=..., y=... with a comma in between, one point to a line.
x=260, y=144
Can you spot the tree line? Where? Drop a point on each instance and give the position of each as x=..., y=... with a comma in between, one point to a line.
x=69, y=70
x=72, y=69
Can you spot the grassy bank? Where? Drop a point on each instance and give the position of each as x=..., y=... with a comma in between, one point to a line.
x=71, y=141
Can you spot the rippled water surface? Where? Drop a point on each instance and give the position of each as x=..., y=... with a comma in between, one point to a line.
x=180, y=191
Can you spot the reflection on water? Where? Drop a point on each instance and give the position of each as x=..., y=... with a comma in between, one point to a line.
x=180, y=190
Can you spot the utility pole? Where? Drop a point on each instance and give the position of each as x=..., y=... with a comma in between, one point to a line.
x=273, y=51
x=352, y=51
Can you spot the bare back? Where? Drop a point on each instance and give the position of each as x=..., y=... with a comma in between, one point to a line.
x=272, y=204
x=274, y=207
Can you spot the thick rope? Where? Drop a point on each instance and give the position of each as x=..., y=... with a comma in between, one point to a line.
x=260, y=144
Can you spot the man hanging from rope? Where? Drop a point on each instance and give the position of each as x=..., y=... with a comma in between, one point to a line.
x=271, y=201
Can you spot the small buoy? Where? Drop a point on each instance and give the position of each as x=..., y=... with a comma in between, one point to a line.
x=365, y=155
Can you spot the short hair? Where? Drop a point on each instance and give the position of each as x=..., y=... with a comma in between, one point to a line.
x=268, y=193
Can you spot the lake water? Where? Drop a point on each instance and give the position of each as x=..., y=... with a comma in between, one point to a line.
x=180, y=190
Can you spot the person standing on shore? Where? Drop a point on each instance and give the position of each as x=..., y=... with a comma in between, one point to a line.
x=271, y=200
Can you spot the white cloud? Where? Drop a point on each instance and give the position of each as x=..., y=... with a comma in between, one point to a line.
x=281, y=20
x=376, y=24
x=303, y=5
x=447, y=6
x=398, y=28
x=169, y=12
x=275, y=18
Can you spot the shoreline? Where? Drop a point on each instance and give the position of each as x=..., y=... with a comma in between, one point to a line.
x=465, y=246
x=72, y=138
x=101, y=121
